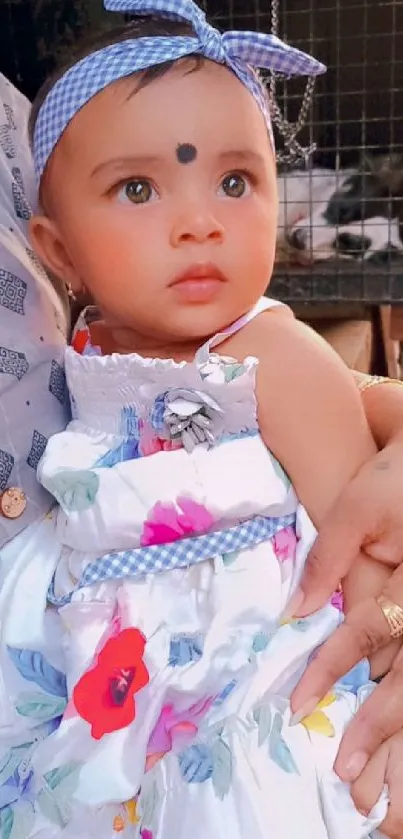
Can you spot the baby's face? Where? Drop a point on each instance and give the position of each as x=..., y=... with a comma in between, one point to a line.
x=175, y=181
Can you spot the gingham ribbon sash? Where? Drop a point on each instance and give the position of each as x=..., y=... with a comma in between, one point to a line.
x=183, y=553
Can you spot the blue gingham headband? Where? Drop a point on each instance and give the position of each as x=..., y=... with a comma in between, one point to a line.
x=240, y=51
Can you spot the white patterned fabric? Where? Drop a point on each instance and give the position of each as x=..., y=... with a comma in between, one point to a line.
x=156, y=705
x=33, y=325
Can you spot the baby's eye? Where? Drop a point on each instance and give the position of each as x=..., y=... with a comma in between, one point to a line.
x=235, y=185
x=137, y=191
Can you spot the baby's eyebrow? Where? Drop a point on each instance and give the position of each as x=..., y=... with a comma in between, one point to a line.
x=139, y=161
x=240, y=156
x=247, y=156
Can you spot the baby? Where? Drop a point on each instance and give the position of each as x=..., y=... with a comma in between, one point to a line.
x=211, y=435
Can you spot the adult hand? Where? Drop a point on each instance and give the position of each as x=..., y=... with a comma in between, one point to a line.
x=367, y=518
x=386, y=767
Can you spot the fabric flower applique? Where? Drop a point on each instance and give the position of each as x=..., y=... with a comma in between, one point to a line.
x=170, y=522
x=104, y=696
x=187, y=416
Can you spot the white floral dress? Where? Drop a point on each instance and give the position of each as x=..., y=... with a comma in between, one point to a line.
x=151, y=700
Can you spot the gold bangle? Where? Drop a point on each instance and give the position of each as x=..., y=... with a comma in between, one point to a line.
x=372, y=381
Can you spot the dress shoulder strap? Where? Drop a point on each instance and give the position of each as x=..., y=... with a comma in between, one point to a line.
x=262, y=305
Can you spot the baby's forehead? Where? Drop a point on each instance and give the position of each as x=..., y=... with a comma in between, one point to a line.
x=200, y=105
x=183, y=93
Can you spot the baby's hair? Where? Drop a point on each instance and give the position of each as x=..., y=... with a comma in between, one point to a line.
x=139, y=27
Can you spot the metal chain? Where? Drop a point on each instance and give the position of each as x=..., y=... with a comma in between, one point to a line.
x=289, y=131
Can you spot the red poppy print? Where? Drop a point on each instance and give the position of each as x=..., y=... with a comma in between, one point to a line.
x=104, y=696
x=80, y=340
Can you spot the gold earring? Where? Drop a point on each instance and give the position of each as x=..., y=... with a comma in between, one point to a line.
x=70, y=292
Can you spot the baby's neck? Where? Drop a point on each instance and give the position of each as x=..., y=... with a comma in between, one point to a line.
x=115, y=339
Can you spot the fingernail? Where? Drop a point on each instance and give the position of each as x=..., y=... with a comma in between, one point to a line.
x=305, y=711
x=293, y=605
x=354, y=766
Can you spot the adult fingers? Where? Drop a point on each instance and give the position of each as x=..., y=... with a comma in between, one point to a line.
x=393, y=824
x=367, y=789
x=367, y=517
x=335, y=550
x=364, y=631
x=378, y=719
x=385, y=767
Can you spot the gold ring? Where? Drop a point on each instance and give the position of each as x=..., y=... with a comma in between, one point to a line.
x=393, y=614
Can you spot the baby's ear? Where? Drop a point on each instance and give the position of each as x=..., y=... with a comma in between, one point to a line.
x=48, y=246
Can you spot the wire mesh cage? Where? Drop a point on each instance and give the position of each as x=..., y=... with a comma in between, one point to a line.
x=341, y=213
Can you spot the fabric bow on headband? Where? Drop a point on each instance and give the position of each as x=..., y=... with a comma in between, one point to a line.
x=240, y=51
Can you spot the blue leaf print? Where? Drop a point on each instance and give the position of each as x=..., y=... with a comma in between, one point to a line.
x=19, y=786
x=74, y=489
x=158, y=412
x=262, y=717
x=11, y=761
x=185, y=649
x=233, y=371
x=279, y=750
x=230, y=559
x=302, y=625
x=226, y=692
x=45, y=729
x=56, y=776
x=222, y=768
x=24, y=818
x=9, y=793
x=33, y=667
x=196, y=764
x=40, y=707
x=128, y=450
x=356, y=677
x=50, y=808
x=6, y=822
x=260, y=642
x=129, y=422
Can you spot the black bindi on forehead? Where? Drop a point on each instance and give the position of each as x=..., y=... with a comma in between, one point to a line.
x=186, y=153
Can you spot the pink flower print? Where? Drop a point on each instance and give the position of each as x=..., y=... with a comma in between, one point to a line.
x=338, y=600
x=146, y=834
x=150, y=443
x=285, y=543
x=174, y=730
x=169, y=522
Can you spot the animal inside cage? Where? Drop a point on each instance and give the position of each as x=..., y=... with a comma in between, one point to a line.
x=341, y=213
